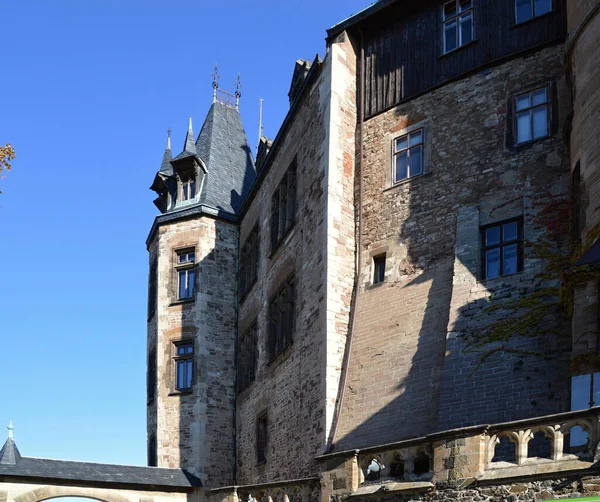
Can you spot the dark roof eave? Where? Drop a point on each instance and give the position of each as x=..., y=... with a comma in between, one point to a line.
x=182, y=214
x=33, y=479
x=357, y=18
x=315, y=70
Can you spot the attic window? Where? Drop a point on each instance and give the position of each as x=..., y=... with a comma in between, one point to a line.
x=188, y=189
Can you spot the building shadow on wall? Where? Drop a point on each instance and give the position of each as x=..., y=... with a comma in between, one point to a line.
x=239, y=195
x=443, y=384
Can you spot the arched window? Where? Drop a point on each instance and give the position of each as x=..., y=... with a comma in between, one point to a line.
x=539, y=446
x=505, y=451
x=373, y=470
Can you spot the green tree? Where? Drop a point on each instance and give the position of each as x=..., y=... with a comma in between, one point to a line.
x=7, y=155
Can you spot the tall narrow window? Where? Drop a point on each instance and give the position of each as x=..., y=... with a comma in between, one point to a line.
x=531, y=110
x=249, y=262
x=247, y=353
x=408, y=155
x=528, y=9
x=458, y=24
x=261, y=438
x=283, y=206
x=152, y=286
x=281, y=319
x=379, y=269
x=184, y=365
x=502, y=246
x=186, y=274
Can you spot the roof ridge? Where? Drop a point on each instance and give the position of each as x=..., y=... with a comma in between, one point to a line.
x=104, y=463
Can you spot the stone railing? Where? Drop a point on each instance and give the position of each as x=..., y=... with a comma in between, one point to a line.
x=533, y=447
x=297, y=490
x=547, y=444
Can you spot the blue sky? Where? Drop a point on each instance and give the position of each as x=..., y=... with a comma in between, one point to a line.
x=88, y=91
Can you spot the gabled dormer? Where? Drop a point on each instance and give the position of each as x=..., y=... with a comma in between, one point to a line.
x=189, y=172
x=179, y=181
x=164, y=183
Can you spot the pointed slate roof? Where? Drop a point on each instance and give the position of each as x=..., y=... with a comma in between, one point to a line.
x=165, y=167
x=189, y=148
x=9, y=454
x=223, y=147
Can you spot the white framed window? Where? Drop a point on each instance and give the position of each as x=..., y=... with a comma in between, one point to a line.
x=532, y=116
x=186, y=274
x=528, y=9
x=457, y=17
x=408, y=155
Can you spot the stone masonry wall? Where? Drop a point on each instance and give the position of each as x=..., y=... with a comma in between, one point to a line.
x=195, y=430
x=298, y=389
x=584, y=59
x=563, y=488
x=406, y=376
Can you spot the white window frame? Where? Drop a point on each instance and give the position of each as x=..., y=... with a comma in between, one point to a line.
x=396, y=153
x=456, y=20
x=530, y=110
x=185, y=267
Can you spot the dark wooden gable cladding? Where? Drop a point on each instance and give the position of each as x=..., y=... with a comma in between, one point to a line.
x=403, y=46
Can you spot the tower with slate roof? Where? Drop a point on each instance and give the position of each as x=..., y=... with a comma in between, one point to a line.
x=193, y=246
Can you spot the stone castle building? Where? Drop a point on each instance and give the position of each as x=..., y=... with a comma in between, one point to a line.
x=399, y=296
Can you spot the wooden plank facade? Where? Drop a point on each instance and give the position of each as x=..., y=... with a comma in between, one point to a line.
x=404, y=49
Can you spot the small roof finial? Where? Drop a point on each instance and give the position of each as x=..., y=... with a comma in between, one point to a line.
x=10, y=428
x=190, y=124
x=169, y=138
x=215, y=83
x=238, y=91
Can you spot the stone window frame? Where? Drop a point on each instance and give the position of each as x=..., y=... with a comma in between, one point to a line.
x=247, y=356
x=249, y=262
x=552, y=107
x=277, y=343
x=174, y=357
x=391, y=139
x=262, y=437
x=520, y=241
x=456, y=20
x=177, y=267
x=376, y=260
x=286, y=192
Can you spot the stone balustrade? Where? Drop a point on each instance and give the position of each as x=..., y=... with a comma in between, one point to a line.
x=298, y=490
x=538, y=447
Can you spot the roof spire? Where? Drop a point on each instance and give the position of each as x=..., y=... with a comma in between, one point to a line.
x=215, y=83
x=190, y=144
x=169, y=139
x=10, y=428
x=238, y=91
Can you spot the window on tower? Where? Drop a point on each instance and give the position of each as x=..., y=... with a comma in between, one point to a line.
x=185, y=271
x=188, y=189
x=184, y=365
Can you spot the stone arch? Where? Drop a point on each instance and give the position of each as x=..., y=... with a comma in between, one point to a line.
x=52, y=492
